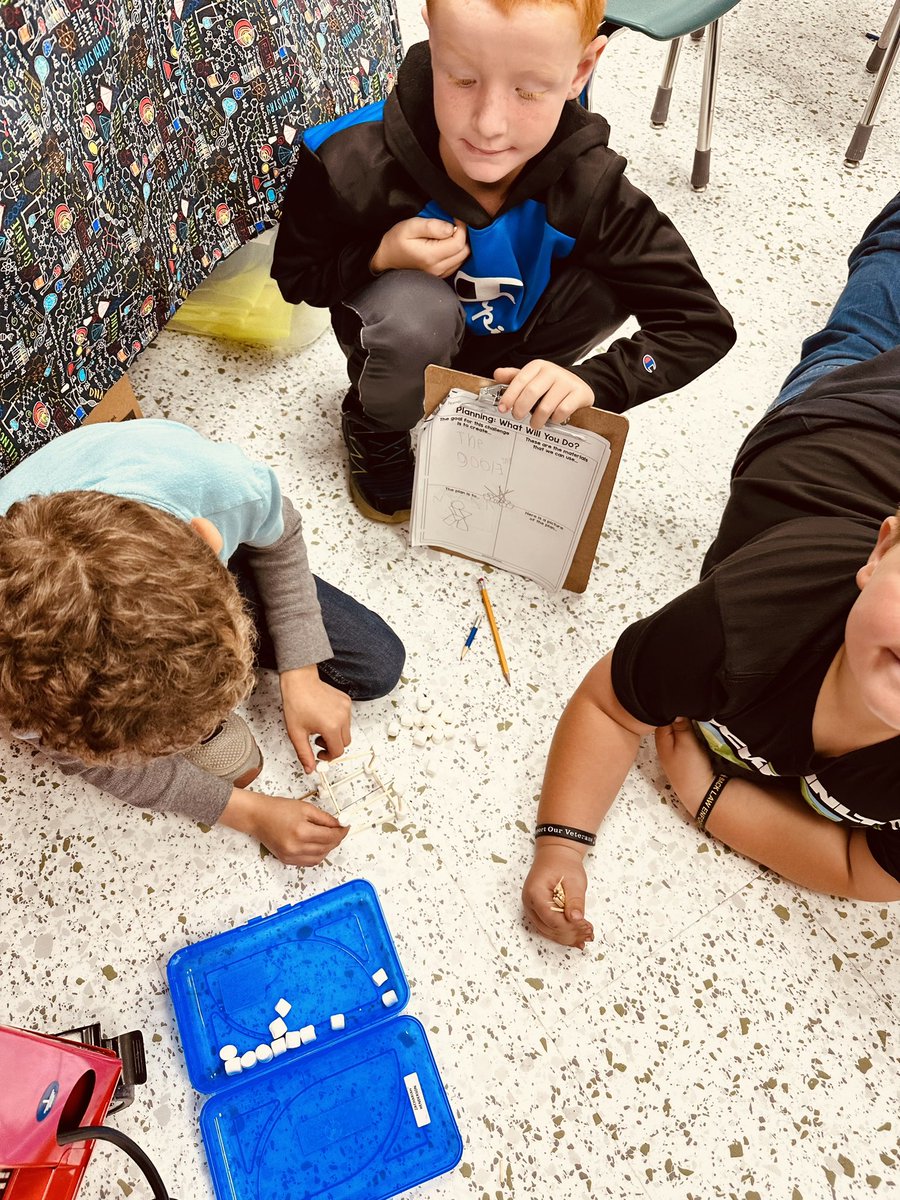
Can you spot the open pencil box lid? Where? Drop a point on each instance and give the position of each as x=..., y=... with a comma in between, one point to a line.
x=358, y=1113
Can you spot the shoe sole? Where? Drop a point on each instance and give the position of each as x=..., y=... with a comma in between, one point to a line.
x=251, y=772
x=396, y=518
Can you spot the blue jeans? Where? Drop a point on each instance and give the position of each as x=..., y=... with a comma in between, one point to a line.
x=368, y=656
x=866, y=319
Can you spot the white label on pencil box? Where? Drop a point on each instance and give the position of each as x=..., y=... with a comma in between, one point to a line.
x=417, y=1100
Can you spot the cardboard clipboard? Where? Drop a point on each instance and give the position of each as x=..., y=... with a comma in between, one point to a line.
x=612, y=426
x=119, y=404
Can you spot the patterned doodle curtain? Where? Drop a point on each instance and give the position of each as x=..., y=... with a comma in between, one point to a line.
x=141, y=141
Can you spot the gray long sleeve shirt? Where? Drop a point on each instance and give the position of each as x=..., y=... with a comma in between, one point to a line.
x=174, y=468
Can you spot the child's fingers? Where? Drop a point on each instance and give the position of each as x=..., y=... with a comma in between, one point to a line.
x=323, y=840
x=549, y=392
x=334, y=741
x=569, y=928
x=512, y=399
x=318, y=816
x=567, y=400
x=546, y=409
x=322, y=831
x=581, y=928
x=431, y=227
x=305, y=752
x=449, y=266
x=559, y=929
x=530, y=394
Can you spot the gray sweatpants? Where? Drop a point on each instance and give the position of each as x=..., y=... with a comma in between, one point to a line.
x=398, y=324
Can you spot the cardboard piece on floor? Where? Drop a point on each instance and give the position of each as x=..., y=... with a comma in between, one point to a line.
x=439, y=381
x=119, y=404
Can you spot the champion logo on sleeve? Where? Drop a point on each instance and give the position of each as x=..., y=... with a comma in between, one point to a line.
x=649, y=363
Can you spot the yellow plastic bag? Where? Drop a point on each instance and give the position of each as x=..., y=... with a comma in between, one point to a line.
x=241, y=302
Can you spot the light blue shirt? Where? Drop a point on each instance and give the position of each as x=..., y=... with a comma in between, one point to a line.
x=164, y=464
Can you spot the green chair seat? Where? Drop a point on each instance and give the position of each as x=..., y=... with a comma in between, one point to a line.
x=665, y=20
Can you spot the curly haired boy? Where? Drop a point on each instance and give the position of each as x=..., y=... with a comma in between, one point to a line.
x=126, y=642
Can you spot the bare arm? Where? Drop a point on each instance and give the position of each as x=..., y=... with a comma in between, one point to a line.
x=775, y=827
x=592, y=751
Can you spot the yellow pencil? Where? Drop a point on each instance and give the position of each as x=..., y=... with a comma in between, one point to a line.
x=494, y=630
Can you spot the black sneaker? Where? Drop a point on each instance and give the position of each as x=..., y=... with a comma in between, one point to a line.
x=381, y=468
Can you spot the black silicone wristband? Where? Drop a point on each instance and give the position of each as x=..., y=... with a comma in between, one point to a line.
x=565, y=831
x=708, y=803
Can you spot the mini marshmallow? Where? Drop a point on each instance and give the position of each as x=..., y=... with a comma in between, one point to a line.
x=449, y=735
x=278, y=1027
x=379, y=977
x=406, y=721
x=419, y=721
x=233, y=1066
x=447, y=716
x=228, y=1052
x=292, y=1039
x=322, y=766
x=420, y=738
x=393, y=729
x=248, y=1060
x=437, y=736
x=282, y=1007
x=481, y=740
x=424, y=703
x=278, y=1047
x=308, y=1034
x=264, y=1052
x=337, y=1021
x=388, y=999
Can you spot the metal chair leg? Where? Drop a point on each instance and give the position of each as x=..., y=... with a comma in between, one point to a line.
x=880, y=48
x=860, y=140
x=589, y=91
x=660, y=113
x=703, y=153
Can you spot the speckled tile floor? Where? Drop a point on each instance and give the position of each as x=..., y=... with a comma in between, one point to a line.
x=726, y=1035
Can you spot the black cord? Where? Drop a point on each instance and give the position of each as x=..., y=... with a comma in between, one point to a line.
x=104, y=1133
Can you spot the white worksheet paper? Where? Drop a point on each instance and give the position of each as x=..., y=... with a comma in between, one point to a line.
x=491, y=487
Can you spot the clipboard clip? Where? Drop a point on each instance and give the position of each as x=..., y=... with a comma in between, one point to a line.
x=489, y=394
x=492, y=392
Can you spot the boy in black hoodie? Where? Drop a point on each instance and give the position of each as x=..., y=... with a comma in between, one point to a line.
x=478, y=219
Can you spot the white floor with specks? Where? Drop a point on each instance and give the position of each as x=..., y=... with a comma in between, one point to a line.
x=727, y=1035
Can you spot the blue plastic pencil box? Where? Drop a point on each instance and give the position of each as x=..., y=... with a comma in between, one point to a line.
x=358, y=1113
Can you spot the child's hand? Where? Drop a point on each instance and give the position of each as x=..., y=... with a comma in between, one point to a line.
x=685, y=762
x=297, y=832
x=554, y=863
x=422, y=244
x=544, y=389
x=312, y=706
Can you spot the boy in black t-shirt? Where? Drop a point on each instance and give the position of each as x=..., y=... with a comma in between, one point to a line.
x=786, y=655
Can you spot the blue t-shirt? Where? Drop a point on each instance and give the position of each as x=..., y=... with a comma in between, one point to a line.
x=164, y=464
